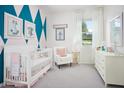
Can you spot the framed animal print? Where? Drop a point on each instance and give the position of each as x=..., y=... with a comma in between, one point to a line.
x=13, y=26
x=29, y=30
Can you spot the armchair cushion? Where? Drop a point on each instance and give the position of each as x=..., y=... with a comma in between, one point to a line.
x=61, y=56
x=61, y=52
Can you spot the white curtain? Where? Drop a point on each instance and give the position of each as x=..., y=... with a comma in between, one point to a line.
x=77, y=40
x=97, y=17
x=98, y=28
x=98, y=22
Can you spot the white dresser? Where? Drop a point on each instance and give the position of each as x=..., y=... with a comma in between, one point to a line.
x=110, y=67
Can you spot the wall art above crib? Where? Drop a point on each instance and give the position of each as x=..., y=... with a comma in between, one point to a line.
x=29, y=30
x=13, y=26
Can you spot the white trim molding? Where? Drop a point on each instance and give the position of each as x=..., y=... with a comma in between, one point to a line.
x=1, y=85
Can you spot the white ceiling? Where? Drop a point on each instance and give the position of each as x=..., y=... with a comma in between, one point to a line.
x=66, y=8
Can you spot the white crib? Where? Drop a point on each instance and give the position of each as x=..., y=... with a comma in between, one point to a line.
x=29, y=66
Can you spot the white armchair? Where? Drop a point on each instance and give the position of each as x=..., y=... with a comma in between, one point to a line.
x=61, y=56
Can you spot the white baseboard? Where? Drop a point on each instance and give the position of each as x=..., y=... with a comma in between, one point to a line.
x=86, y=62
x=1, y=84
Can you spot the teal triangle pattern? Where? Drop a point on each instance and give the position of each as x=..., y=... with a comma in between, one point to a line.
x=38, y=22
x=8, y=9
x=38, y=46
x=11, y=10
x=25, y=14
x=45, y=28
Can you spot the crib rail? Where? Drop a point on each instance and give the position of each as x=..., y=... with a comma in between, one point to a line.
x=26, y=68
x=22, y=76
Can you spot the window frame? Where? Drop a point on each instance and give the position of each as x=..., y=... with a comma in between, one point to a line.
x=86, y=33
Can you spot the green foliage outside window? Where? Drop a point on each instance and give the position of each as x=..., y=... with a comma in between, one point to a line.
x=84, y=27
x=86, y=35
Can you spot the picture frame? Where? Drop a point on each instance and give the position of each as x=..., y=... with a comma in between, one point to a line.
x=60, y=26
x=60, y=34
x=29, y=30
x=13, y=26
x=116, y=31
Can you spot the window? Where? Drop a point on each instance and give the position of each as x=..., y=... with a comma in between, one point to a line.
x=87, y=27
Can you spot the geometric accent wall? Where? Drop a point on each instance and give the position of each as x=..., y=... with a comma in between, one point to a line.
x=38, y=23
x=45, y=27
x=25, y=14
x=9, y=9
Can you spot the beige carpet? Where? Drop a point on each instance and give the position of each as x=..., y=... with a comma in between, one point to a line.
x=77, y=76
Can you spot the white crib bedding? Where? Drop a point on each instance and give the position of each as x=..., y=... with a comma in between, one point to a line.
x=23, y=75
x=37, y=68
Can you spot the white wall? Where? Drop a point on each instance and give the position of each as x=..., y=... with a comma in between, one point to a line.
x=109, y=13
x=70, y=32
x=73, y=30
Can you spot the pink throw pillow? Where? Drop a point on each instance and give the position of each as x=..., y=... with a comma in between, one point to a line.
x=61, y=52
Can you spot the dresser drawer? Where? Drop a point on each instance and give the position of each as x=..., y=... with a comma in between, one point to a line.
x=101, y=72
x=102, y=58
x=100, y=61
x=101, y=65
